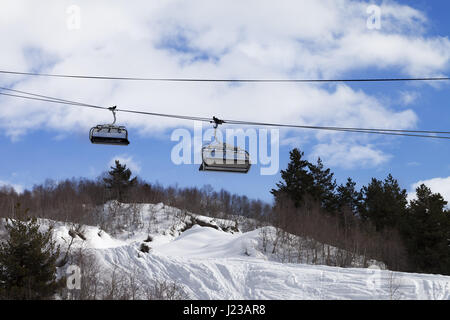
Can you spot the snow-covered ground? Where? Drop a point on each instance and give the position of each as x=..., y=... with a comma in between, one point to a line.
x=210, y=263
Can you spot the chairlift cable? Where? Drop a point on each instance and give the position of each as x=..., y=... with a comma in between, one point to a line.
x=332, y=128
x=248, y=80
x=396, y=132
x=71, y=102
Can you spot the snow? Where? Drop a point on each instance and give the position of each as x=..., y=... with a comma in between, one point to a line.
x=95, y=237
x=225, y=274
x=205, y=242
x=210, y=263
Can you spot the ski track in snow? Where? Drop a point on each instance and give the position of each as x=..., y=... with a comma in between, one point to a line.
x=213, y=264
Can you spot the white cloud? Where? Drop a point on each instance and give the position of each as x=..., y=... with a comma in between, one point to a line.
x=223, y=39
x=132, y=164
x=349, y=156
x=437, y=185
x=17, y=187
x=408, y=97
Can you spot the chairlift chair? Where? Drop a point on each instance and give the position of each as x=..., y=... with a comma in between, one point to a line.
x=222, y=157
x=109, y=134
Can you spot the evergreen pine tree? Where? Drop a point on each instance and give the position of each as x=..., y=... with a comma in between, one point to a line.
x=28, y=260
x=427, y=232
x=384, y=203
x=347, y=204
x=296, y=180
x=323, y=186
x=119, y=181
x=348, y=197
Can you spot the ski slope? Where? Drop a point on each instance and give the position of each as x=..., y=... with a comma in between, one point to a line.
x=213, y=264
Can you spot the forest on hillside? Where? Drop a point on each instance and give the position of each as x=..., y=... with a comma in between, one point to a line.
x=376, y=222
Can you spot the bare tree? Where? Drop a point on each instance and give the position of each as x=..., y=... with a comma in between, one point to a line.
x=394, y=286
x=91, y=286
x=165, y=290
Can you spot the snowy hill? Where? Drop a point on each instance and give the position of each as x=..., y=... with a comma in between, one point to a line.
x=210, y=263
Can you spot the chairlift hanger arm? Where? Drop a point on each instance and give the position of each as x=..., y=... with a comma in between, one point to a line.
x=216, y=122
x=113, y=110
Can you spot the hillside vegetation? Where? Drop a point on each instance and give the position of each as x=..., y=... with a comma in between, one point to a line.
x=313, y=221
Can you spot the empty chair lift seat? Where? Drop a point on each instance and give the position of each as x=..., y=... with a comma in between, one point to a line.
x=109, y=134
x=225, y=159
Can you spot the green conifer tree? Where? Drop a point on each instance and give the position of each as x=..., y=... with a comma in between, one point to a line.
x=296, y=180
x=28, y=260
x=323, y=186
x=119, y=181
x=348, y=197
x=304, y=180
x=384, y=203
x=427, y=232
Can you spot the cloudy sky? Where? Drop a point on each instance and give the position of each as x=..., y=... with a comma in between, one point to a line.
x=225, y=39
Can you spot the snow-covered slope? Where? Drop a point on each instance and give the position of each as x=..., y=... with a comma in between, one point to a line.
x=210, y=263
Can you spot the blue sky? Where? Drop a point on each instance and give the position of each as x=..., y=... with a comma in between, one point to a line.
x=41, y=141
